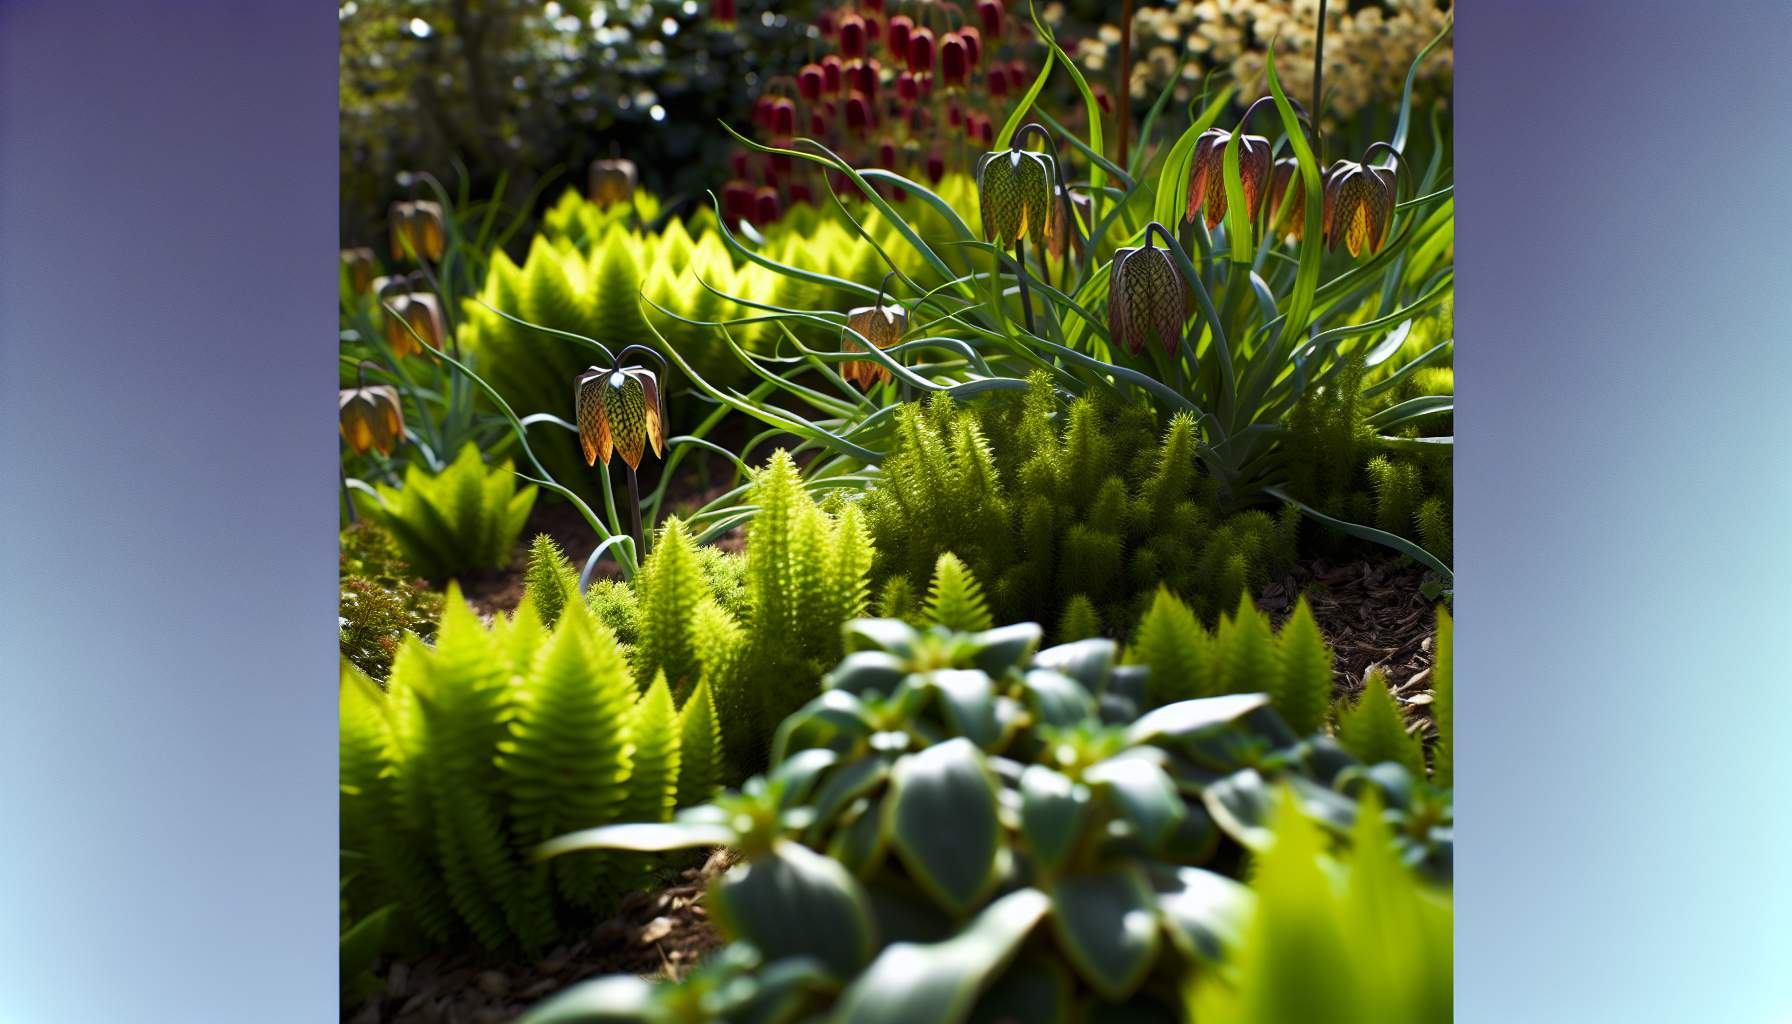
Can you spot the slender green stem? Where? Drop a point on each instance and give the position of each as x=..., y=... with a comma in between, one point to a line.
x=634, y=509
x=348, y=502
x=1318, y=81
x=1020, y=272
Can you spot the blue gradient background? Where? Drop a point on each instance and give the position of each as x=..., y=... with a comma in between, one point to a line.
x=167, y=541
x=167, y=276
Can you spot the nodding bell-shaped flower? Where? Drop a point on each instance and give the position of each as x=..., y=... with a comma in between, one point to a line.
x=1061, y=233
x=852, y=36
x=810, y=82
x=416, y=229
x=1015, y=189
x=613, y=181
x=357, y=266
x=955, y=61
x=722, y=11
x=920, y=50
x=1146, y=296
x=881, y=324
x=422, y=311
x=1287, y=216
x=619, y=410
x=990, y=13
x=371, y=418
x=901, y=27
x=1359, y=205
x=830, y=74
x=1207, y=179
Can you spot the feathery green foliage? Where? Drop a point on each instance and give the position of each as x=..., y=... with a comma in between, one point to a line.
x=1374, y=730
x=1359, y=938
x=550, y=580
x=462, y=520
x=484, y=746
x=955, y=600
x=700, y=745
x=1042, y=506
x=1243, y=655
x=670, y=587
x=1443, y=705
x=380, y=600
x=1079, y=621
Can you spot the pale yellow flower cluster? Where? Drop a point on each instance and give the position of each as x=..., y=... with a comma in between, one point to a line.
x=1367, y=52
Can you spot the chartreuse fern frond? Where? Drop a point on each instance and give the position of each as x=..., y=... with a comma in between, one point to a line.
x=1080, y=621
x=464, y=519
x=671, y=587
x=1374, y=731
x=1303, y=688
x=482, y=747
x=1433, y=522
x=1179, y=652
x=699, y=748
x=1443, y=701
x=1248, y=659
x=955, y=599
x=550, y=579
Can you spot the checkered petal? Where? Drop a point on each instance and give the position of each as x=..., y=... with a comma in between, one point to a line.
x=594, y=422
x=998, y=193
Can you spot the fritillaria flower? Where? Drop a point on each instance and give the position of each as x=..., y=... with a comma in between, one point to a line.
x=990, y=13
x=955, y=61
x=371, y=418
x=901, y=27
x=619, y=410
x=883, y=325
x=852, y=36
x=1061, y=233
x=1207, y=180
x=1359, y=205
x=810, y=81
x=920, y=50
x=1015, y=190
x=1287, y=216
x=1146, y=296
x=417, y=229
x=358, y=265
x=422, y=312
x=613, y=181
x=722, y=11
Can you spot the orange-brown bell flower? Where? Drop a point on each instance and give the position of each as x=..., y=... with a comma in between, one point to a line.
x=884, y=327
x=422, y=311
x=613, y=181
x=357, y=266
x=417, y=230
x=371, y=418
x=1207, y=179
x=1287, y=200
x=1146, y=296
x=1359, y=204
x=619, y=410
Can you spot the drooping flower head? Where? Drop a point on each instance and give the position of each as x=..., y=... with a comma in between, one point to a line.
x=1147, y=297
x=357, y=266
x=416, y=229
x=1207, y=179
x=1359, y=203
x=420, y=312
x=1287, y=200
x=1016, y=189
x=370, y=417
x=619, y=410
x=613, y=181
x=880, y=323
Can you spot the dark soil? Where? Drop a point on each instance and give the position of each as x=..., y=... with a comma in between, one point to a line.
x=658, y=935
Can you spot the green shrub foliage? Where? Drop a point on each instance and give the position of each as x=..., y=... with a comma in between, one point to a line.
x=1044, y=505
x=491, y=742
x=1374, y=730
x=549, y=580
x=1243, y=655
x=962, y=827
x=380, y=601
x=1443, y=684
x=464, y=519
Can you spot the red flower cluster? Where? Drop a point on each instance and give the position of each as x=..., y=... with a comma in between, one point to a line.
x=913, y=86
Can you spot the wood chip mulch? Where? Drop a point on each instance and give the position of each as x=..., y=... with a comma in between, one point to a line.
x=658, y=935
x=1374, y=615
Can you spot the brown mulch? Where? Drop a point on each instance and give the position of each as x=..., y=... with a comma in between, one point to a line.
x=1374, y=615
x=658, y=935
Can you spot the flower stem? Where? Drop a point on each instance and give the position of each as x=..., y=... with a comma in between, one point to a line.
x=1020, y=273
x=634, y=510
x=1318, y=80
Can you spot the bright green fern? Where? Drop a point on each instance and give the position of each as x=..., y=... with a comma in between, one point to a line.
x=465, y=519
x=1374, y=730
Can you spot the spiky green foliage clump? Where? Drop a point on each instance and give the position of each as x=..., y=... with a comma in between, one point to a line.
x=489, y=743
x=1374, y=730
x=1344, y=466
x=1443, y=705
x=381, y=600
x=1305, y=953
x=1243, y=655
x=464, y=519
x=1044, y=505
x=753, y=634
x=549, y=579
